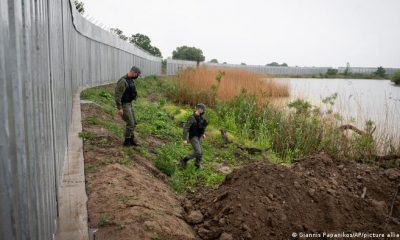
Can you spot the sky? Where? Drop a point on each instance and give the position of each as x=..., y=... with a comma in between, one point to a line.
x=321, y=33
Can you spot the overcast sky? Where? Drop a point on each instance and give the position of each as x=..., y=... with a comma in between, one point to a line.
x=298, y=32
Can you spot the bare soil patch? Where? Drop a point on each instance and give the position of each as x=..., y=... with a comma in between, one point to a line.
x=317, y=194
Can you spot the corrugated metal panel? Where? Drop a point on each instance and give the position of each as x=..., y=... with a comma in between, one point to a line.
x=174, y=66
x=367, y=70
x=47, y=52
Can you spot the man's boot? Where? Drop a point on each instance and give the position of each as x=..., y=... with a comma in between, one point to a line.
x=128, y=142
x=197, y=163
x=133, y=141
x=183, y=162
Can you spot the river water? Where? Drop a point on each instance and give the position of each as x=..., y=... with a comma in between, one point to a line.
x=358, y=100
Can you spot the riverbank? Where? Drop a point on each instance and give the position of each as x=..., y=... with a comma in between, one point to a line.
x=357, y=102
x=300, y=131
x=140, y=193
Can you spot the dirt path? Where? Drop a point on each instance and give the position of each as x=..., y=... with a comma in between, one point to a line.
x=128, y=197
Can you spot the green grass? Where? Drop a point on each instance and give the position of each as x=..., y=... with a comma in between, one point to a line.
x=168, y=157
x=125, y=198
x=104, y=220
x=106, y=162
x=85, y=135
x=126, y=159
x=103, y=96
x=90, y=168
x=155, y=238
x=144, y=151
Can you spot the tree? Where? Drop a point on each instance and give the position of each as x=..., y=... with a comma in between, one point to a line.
x=380, y=72
x=273, y=64
x=119, y=33
x=332, y=71
x=243, y=64
x=347, y=71
x=156, y=52
x=144, y=43
x=80, y=6
x=164, y=66
x=188, y=53
x=213, y=60
x=224, y=63
x=396, y=77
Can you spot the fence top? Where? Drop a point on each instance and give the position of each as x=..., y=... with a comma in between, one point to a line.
x=178, y=61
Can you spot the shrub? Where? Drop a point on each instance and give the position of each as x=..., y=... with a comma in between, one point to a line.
x=332, y=71
x=380, y=72
x=396, y=78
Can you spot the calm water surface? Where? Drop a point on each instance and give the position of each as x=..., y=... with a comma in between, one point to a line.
x=358, y=100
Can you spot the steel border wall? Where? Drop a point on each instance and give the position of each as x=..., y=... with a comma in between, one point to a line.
x=174, y=66
x=48, y=52
x=367, y=70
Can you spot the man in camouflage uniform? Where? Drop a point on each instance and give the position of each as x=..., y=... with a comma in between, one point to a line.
x=193, y=131
x=125, y=93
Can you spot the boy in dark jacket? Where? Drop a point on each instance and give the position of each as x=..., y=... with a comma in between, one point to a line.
x=193, y=131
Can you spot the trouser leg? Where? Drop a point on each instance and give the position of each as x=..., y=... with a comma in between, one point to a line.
x=197, y=151
x=128, y=117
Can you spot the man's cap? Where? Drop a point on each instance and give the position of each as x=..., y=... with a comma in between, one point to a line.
x=201, y=105
x=135, y=69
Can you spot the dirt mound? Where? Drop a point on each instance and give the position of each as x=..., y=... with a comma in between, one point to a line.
x=315, y=195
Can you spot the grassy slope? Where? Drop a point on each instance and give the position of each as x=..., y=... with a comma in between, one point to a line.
x=304, y=131
x=157, y=117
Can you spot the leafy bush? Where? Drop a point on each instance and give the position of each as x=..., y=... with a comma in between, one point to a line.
x=332, y=72
x=380, y=72
x=396, y=78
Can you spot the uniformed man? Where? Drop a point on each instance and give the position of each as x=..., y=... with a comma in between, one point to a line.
x=125, y=93
x=194, y=131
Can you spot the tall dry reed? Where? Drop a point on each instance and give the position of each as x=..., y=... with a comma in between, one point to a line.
x=206, y=85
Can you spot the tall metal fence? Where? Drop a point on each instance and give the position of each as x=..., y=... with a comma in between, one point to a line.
x=47, y=52
x=174, y=66
x=367, y=70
